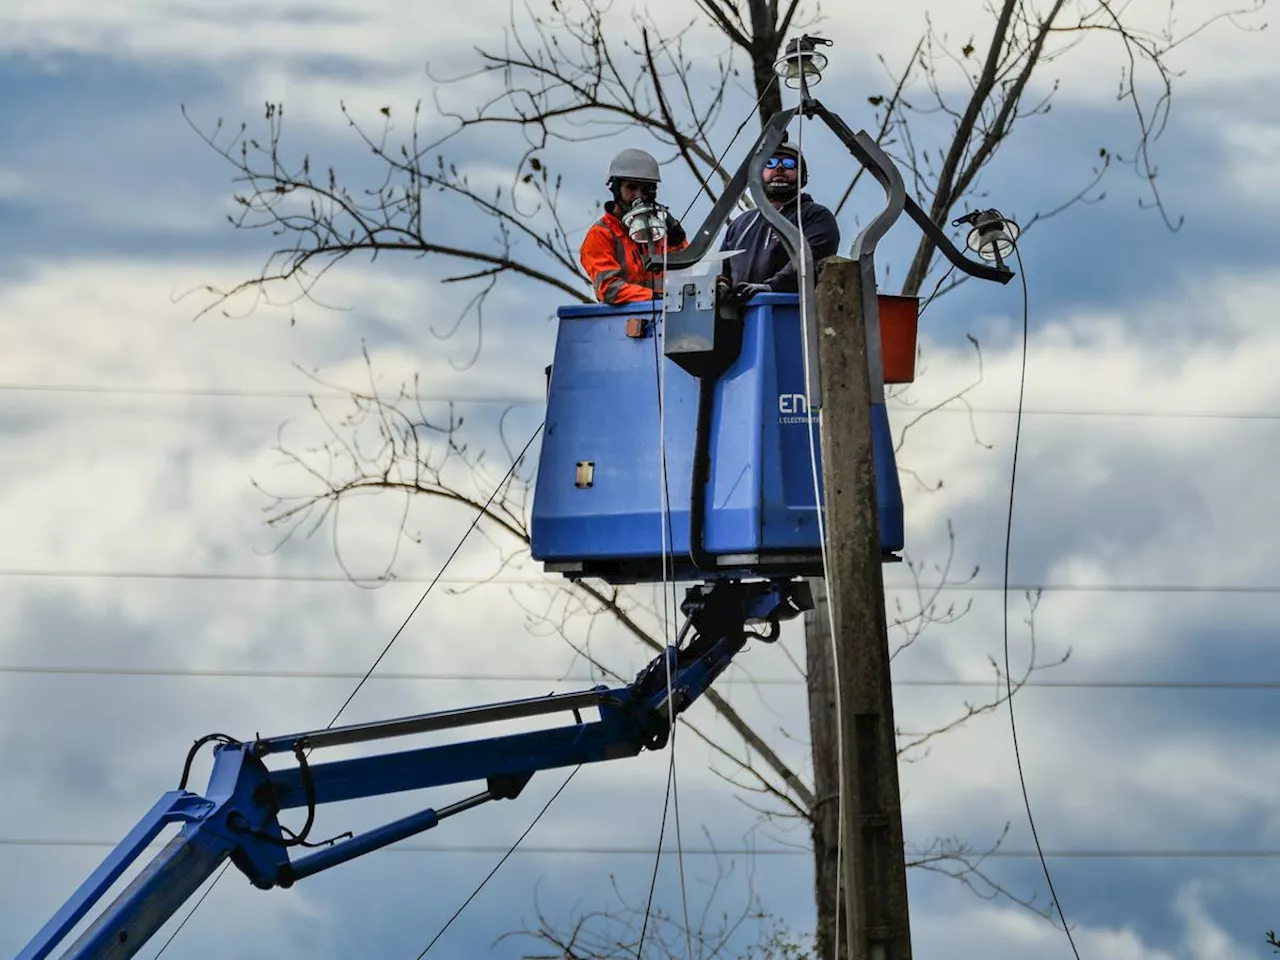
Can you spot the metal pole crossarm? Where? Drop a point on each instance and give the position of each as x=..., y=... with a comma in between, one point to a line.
x=747, y=179
x=237, y=819
x=866, y=151
x=700, y=242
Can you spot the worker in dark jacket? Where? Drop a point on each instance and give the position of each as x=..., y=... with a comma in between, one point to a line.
x=764, y=266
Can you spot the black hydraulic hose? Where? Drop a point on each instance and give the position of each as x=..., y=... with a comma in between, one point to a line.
x=701, y=475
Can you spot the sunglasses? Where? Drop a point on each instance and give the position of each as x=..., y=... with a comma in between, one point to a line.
x=786, y=163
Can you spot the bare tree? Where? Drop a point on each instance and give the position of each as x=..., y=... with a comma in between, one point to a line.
x=568, y=74
x=630, y=929
x=392, y=445
x=1024, y=42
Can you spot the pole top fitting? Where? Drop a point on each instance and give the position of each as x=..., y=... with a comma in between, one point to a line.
x=801, y=65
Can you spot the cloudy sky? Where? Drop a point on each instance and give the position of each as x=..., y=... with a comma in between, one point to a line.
x=147, y=603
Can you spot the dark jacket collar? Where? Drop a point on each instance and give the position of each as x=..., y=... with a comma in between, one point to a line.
x=790, y=205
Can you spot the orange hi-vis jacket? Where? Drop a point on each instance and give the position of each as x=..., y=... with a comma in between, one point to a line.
x=615, y=263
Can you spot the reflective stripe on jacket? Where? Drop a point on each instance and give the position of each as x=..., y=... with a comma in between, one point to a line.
x=615, y=263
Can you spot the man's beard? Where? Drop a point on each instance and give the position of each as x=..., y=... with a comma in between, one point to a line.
x=781, y=189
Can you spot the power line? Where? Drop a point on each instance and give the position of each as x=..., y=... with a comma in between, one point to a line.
x=532, y=400
x=1008, y=542
x=301, y=838
x=506, y=854
x=1119, y=414
x=245, y=577
x=243, y=674
x=556, y=580
x=569, y=849
x=226, y=393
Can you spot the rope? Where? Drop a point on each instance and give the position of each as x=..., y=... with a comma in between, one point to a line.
x=672, y=794
x=802, y=272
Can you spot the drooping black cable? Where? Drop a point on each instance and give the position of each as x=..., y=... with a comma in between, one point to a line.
x=700, y=476
x=369, y=673
x=195, y=748
x=720, y=159
x=657, y=861
x=1008, y=541
x=475, y=893
x=666, y=619
x=182, y=785
x=436, y=579
x=192, y=912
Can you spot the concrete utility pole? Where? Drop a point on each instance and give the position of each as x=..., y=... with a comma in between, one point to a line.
x=876, y=920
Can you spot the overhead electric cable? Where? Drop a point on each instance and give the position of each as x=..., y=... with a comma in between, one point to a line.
x=1261, y=589
x=498, y=400
x=468, y=849
x=506, y=856
x=802, y=274
x=1008, y=543
x=226, y=393
x=482, y=512
x=667, y=538
x=460, y=677
x=364, y=679
x=737, y=133
x=190, y=913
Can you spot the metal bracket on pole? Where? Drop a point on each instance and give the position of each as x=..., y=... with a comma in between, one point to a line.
x=802, y=255
x=748, y=179
x=864, y=251
x=700, y=242
x=866, y=151
x=238, y=818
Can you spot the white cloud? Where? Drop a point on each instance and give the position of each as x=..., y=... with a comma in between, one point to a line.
x=1253, y=150
x=13, y=184
x=98, y=482
x=169, y=486
x=389, y=44
x=175, y=32
x=160, y=482
x=971, y=932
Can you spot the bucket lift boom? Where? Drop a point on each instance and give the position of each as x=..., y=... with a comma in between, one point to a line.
x=237, y=817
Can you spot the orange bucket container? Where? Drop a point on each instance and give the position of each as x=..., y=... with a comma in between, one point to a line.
x=899, y=318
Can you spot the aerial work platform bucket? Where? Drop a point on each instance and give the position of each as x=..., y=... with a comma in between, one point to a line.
x=602, y=474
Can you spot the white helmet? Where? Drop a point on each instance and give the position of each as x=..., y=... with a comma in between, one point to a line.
x=632, y=164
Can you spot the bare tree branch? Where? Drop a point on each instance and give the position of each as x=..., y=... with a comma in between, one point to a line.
x=567, y=75
x=886, y=121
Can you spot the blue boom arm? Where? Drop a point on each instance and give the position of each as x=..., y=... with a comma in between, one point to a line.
x=237, y=818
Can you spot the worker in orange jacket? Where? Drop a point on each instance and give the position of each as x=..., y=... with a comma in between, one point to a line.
x=613, y=261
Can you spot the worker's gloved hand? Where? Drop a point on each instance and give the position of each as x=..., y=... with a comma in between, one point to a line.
x=675, y=231
x=745, y=291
